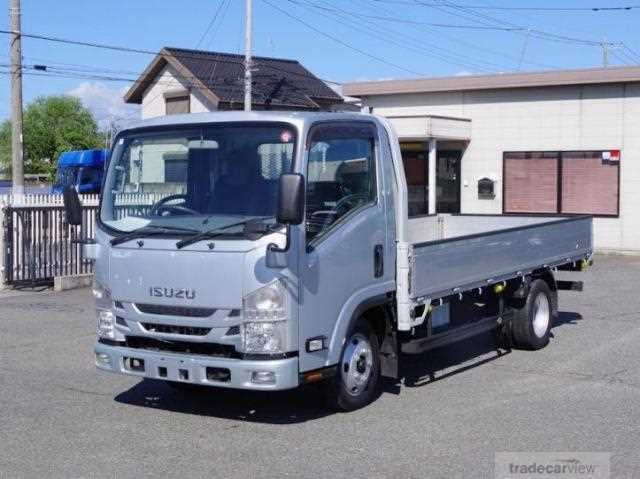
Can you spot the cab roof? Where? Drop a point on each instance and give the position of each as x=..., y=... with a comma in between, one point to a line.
x=85, y=158
x=299, y=119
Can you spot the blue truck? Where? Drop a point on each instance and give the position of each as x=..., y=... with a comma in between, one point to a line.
x=81, y=169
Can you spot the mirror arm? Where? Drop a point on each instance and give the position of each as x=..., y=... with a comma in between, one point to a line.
x=276, y=249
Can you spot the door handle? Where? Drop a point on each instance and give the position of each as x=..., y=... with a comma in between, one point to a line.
x=378, y=261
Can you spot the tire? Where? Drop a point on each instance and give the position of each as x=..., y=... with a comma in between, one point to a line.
x=357, y=381
x=532, y=320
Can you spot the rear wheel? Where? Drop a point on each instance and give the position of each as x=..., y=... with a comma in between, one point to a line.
x=532, y=321
x=357, y=380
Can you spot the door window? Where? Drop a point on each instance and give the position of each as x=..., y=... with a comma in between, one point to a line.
x=340, y=175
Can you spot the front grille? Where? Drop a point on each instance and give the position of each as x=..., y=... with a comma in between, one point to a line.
x=174, y=329
x=183, y=311
x=205, y=349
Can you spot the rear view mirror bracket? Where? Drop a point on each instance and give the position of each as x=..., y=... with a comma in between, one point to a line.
x=276, y=256
x=290, y=212
x=72, y=206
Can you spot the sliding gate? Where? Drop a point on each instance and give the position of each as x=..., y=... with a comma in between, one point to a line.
x=40, y=245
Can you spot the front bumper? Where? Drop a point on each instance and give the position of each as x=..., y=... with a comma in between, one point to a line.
x=188, y=368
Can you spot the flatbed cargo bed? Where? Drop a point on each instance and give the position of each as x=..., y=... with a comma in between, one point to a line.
x=456, y=253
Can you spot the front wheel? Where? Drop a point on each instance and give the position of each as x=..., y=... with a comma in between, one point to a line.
x=357, y=380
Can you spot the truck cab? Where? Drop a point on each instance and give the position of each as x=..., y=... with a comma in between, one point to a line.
x=81, y=169
x=262, y=251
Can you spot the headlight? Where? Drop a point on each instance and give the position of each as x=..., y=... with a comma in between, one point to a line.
x=265, y=312
x=265, y=337
x=106, y=318
x=269, y=303
x=101, y=295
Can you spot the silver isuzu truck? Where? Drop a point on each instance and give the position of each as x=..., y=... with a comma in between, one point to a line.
x=266, y=250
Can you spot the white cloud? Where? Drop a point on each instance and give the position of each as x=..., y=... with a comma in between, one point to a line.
x=106, y=103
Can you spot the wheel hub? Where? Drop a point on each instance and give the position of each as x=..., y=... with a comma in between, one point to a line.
x=541, y=315
x=357, y=364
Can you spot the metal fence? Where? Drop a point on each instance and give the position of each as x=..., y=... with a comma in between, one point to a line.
x=38, y=244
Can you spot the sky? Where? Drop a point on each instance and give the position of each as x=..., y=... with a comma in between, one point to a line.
x=340, y=40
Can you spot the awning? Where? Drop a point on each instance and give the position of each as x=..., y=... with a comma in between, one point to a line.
x=420, y=127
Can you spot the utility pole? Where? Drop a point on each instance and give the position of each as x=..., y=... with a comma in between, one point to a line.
x=605, y=53
x=108, y=132
x=247, y=54
x=524, y=49
x=17, y=163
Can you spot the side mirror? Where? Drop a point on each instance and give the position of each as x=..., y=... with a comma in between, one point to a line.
x=72, y=206
x=291, y=199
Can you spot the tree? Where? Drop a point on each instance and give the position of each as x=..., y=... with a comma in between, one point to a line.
x=51, y=125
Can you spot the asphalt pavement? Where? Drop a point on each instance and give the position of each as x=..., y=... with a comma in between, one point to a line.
x=454, y=408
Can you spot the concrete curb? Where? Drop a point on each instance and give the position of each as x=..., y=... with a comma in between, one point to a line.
x=64, y=283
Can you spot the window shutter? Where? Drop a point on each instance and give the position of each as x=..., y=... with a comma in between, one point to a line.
x=176, y=105
x=589, y=184
x=531, y=182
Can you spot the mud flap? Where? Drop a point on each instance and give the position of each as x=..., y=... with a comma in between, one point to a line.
x=389, y=354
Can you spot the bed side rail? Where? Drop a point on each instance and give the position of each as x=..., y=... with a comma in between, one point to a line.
x=450, y=266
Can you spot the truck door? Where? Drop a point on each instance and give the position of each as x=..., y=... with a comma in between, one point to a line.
x=346, y=258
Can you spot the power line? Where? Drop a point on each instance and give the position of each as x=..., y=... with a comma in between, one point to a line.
x=555, y=9
x=395, y=38
x=183, y=53
x=407, y=21
x=45, y=71
x=175, y=81
x=211, y=23
x=222, y=17
x=467, y=13
x=340, y=41
x=420, y=27
x=416, y=44
x=631, y=52
x=534, y=9
x=620, y=57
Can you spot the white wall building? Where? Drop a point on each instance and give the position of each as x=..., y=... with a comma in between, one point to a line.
x=561, y=142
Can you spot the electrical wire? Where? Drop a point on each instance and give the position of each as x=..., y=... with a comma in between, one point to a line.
x=422, y=27
x=400, y=39
x=31, y=70
x=535, y=9
x=211, y=23
x=217, y=29
x=406, y=21
x=475, y=45
x=340, y=41
x=469, y=14
x=184, y=53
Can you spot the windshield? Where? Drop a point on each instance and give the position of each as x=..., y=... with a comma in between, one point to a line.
x=89, y=175
x=67, y=176
x=197, y=179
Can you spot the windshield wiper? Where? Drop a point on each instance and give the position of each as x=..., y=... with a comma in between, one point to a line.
x=149, y=230
x=212, y=233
